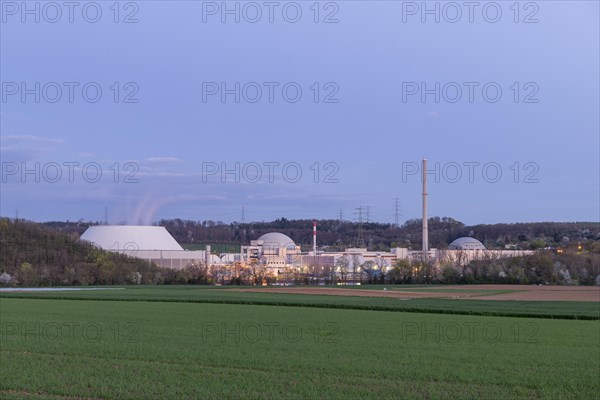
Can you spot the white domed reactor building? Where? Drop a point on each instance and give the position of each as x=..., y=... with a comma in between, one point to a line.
x=276, y=240
x=466, y=243
x=274, y=249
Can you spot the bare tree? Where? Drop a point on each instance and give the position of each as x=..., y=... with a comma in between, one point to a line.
x=259, y=273
x=342, y=268
x=369, y=269
x=355, y=267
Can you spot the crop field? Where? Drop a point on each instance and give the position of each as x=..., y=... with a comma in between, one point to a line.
x=367, y=297
x=191, y=342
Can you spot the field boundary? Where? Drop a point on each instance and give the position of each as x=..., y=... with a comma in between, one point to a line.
x=325, y=305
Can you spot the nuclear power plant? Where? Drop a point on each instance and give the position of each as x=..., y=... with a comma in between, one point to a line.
x=279, y=254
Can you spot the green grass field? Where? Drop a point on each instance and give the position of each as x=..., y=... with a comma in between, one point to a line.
x=183, y=344
x=212, y=294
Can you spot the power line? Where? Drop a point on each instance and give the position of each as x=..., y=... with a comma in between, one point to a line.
x=360, y=241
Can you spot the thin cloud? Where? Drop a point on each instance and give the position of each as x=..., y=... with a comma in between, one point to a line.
x=164, y=174
x=26, y=147
x=32, y=138
x=163, y=160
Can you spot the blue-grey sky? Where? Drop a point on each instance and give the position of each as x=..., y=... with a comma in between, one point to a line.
x=187, y=91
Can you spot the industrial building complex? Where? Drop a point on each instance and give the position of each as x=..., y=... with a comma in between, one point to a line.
x=279, y=255
x=275, y=251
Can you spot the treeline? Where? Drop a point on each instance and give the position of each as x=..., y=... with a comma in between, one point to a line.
x=572, y=266
x=34, y=255
x=338, y=235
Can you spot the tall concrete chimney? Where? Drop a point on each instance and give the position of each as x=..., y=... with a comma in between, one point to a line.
x=425, y=229
x=315, y=237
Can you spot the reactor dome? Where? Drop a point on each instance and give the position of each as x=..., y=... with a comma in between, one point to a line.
x=277, y=240
x=115, y=237
x=466, y=243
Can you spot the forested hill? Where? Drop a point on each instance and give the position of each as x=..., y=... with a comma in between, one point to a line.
x=337, y=234
x=34, y=255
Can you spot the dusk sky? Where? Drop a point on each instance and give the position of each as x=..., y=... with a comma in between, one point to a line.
x=308, y=118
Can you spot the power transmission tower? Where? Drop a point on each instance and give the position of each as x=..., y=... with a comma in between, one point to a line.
x=368, y=208
x=397, y=213
x=341, y=215
x=105, y=215
x=243, y=215
x=360, y=241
